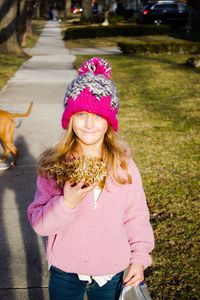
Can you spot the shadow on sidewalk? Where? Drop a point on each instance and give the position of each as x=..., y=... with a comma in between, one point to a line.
x=19, y=250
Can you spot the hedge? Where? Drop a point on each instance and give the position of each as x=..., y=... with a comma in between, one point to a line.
x=159, y=47
x=118, y=30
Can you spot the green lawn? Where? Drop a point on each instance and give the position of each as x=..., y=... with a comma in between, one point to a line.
x=112, y=41
x=9, y=63
x=159, y=118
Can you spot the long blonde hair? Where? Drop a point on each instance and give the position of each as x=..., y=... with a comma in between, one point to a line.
x=115, y=153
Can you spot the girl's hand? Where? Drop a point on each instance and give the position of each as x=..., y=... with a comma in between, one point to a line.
x=135, y=275
x=74, y=195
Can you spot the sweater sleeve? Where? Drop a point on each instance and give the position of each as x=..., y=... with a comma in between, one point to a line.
x=136, y=221
x=48, y=214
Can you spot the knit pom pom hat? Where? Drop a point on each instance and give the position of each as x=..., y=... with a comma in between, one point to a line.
x=92, y=91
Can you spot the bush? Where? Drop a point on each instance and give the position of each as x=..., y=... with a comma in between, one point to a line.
x=137, y=47
x=118, y=30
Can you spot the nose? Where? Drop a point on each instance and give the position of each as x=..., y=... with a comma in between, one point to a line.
x=89, y=122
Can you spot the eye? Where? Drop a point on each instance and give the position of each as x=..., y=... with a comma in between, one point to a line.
x=99, y=116
x=81, y=115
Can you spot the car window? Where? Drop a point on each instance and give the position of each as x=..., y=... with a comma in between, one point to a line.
x=157, y=7
x=182, y=7
x=172, y=6
x=165, y=6
x=148, y=5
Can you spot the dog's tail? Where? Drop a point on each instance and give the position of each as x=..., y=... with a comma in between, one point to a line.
x=26, y=114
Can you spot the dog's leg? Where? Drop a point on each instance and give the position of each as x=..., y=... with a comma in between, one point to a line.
x=13, y=150
x=7, y=141
x=6, y=153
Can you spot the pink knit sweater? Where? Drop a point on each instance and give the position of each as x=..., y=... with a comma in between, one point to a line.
x=92, y=241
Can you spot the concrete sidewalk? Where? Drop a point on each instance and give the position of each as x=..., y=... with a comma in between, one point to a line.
x=42, y=79
x=96, y=51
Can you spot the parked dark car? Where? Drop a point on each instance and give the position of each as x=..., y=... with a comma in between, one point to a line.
x=164, y=12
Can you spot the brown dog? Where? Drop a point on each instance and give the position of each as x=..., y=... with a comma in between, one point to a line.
x=7, y=127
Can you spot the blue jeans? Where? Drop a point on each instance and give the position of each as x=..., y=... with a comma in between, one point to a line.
x=67, y=286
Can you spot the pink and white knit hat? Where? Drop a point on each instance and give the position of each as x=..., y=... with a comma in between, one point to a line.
x=92, y=91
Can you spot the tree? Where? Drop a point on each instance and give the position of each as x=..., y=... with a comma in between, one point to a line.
x=15, y=21
x=15, y=24
x=8, y=26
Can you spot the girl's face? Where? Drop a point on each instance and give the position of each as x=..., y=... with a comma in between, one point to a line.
x=89, y=128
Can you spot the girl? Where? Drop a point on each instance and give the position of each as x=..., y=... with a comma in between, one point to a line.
x=94, y=232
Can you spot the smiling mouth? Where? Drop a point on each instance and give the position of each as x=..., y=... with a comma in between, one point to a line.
x=89, y=131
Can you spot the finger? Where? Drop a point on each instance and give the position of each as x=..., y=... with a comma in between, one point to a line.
x=132, y=276
x=135, y=280
x=89, y=188
x=67, y=184
x=136, y=283
x=79, y=185
x=129, y=276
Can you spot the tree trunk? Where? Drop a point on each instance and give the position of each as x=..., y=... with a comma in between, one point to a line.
x=8, y=27
x=38, y=13
x=24, y=16
x=28, y=17
x=44, y=7
x=106, y=22
x=87, y=10
x=21, y=22
x=68, y=8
